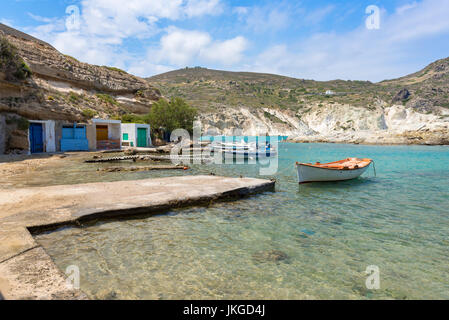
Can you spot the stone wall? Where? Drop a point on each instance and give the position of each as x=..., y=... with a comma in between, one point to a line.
x=14, y=133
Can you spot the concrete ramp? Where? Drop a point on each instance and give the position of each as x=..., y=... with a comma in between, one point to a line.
x=27, y=272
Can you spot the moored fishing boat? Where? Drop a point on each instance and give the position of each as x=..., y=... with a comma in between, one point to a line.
x=342, y=170
x=245, y=149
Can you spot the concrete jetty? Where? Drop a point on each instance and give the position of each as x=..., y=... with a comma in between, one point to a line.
x=26, y=270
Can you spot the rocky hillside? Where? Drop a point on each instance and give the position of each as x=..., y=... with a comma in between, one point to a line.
x=38, y=82
x=412, y=110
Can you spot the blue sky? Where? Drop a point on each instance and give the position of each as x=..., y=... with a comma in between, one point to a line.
x=318, y=39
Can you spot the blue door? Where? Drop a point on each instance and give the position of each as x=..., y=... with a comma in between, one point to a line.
x=74, y=139
x=36, y=138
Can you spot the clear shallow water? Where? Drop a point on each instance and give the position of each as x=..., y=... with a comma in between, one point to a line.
x=312, y=241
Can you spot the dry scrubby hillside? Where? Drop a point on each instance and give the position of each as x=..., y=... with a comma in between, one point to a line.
x=38, y=82
x=412, y=109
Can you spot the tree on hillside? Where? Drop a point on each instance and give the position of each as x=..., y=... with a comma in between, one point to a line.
x=171, y=115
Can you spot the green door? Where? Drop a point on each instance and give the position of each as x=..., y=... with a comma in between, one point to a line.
x=141, y=137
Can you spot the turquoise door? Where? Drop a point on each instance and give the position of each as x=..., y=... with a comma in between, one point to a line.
x=141, y=137
x=36, y=138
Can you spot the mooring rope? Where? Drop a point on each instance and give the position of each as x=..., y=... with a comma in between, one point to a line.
x=374, y=167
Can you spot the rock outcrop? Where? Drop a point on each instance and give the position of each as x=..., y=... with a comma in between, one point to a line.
x=60, y=87
x=395, y=124
x=401, y=96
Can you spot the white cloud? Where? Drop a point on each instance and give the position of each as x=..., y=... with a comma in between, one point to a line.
x=105, y=24
x=227, y=52
x=145, y=68
x=135, y=19
x=280, y=16
x=406, y=7
x=41, y=19
x=360, y=54
x=7, y=22
x=426, y=18
x=318, y=15
x=179, y=48
x=269, y=18
x=196, y=8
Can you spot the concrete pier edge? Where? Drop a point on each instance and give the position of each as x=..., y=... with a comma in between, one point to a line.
x=28, y=272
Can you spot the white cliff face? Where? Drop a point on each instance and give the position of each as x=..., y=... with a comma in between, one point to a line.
x=401, y=119
x=334, y=123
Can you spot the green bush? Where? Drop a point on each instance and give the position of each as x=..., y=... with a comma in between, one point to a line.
x=115, y=69
x=273, y=118
x=171, y=115
x=73, y=97
x=134, y=118
x=23, y=70
x=10, y=59
x=22, y=123
x=89, y=113
x=107, y=98
x=71, y=58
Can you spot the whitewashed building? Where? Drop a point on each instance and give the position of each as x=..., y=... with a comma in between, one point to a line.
x=108, y=134
x=136, y=135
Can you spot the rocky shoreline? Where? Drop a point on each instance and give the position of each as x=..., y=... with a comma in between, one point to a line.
x=373, y=140
x=334, y=123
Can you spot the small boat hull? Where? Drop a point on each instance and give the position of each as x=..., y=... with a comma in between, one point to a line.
x=249, y=153
x=309, y=173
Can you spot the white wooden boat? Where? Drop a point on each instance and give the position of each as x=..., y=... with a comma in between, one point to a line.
x=245, y=149
x=342, y=170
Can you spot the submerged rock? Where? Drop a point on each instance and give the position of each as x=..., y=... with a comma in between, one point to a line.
x=308, y=232
x=325, y=217
x=270, y=256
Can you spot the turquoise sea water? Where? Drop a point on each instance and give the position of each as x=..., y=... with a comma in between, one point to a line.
x=301, y=242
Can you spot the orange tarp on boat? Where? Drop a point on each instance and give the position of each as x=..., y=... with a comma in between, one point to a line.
x=347, y=164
